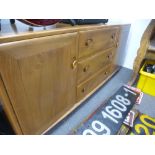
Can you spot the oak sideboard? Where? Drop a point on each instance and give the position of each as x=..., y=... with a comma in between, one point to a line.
x=45, y=75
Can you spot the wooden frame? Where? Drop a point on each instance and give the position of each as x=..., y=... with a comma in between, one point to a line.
x=142, y=51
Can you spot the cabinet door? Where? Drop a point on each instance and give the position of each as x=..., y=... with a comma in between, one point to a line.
x=40, y=78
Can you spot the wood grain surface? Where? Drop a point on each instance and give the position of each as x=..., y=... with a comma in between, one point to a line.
x=47, y=74
x=39, y=79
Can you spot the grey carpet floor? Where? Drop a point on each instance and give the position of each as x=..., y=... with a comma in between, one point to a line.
x=147, y=105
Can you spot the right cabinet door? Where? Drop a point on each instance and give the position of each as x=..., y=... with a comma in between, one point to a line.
x=40, y=78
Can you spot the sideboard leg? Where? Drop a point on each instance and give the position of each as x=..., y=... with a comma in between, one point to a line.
x=12, y=21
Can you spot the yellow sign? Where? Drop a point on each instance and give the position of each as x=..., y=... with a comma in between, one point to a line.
x=143, y=125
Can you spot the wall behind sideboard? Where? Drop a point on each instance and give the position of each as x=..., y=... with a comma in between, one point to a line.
x=130, y=40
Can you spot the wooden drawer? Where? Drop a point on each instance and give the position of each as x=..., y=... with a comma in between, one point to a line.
x=91, y=65
x=89, y=85
x=97, y=40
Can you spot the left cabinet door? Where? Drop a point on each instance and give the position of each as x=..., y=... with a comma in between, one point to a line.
x=40, y=78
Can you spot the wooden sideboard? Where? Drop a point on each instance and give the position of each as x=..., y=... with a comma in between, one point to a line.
x=45, y=75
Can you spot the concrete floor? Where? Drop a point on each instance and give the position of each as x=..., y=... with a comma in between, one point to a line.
x=147, y=105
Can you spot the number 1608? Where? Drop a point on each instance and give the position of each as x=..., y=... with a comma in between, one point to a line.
x=112, y=112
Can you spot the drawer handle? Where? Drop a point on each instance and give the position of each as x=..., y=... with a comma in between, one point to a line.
x=83, y=90
x=74, y=64
x=113, y=36
x=85, y=69
x=109, y=56
x=89, y=42
x=105, y=73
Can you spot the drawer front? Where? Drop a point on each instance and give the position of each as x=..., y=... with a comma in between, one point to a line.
x=91, y=65
x=97, y=40
x=86, y=87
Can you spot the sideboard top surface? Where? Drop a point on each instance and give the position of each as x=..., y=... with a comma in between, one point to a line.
x=20, y=31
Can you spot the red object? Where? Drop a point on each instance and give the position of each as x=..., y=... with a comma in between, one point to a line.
x=39, y=22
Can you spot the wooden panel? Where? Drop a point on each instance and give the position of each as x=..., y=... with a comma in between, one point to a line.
x=40, y=79
x=142, y=51
x=86, y=87
x=97, y=40
x=91, y=65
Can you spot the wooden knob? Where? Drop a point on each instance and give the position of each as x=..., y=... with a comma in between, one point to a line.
x=85, y=69
x=89, y=42
x=108, y=56
x=106, y=73
x=115, y=40
x=112, y=36
x=83, y=90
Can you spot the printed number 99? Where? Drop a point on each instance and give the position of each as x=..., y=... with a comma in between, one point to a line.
x=98, y=127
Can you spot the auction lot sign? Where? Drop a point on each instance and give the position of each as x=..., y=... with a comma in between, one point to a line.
x=108, y=118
